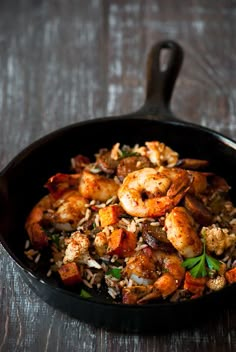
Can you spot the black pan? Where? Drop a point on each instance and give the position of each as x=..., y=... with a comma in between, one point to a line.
x=22, y=180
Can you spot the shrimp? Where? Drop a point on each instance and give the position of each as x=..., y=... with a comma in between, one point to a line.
x=60, y=183
x=97, y=187
x=157, y=273
x=181, y=232
x=77, y=250
x=151, y=193
x=34, y=221
x=62, y=214
x=69, y=209
x=159, y=154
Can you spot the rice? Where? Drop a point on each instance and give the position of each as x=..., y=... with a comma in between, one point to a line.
x=36, y=260
x=49, y=273
x=27, y=244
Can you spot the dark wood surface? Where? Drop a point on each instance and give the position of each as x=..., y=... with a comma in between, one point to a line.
x=68, y=61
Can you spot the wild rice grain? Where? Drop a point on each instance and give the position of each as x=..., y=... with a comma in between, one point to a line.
x=27, y=244
x=112, y=292
x=49, y=273
x=37, y=258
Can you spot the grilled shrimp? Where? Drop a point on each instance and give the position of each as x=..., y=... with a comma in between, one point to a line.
x=69, y=209
x=62, y=214
x=59, y=184
x=151, y=193
x=97, y=187
x=77, y=250
x=157, y=274
x=34, y=221
x=181, y=232
x=159, y=154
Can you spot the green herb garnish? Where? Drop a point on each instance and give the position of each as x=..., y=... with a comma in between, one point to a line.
x=85, y=294
x=55, y=238
x=126, y=154
x=200, y=265
x=115, y=272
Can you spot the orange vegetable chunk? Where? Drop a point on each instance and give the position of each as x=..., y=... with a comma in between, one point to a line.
x=230, y=275
x=194, y=285
x=110, y=215
x=122, y=243
x=70, y=274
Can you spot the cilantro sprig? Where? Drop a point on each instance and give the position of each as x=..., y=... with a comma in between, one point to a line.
x=200, y=265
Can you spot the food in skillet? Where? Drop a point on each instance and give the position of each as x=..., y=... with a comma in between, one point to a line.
x=138, y=221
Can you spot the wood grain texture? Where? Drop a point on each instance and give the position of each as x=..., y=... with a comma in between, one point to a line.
x=68, y=61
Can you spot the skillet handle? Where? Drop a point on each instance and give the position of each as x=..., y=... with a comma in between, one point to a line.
x=160, y=82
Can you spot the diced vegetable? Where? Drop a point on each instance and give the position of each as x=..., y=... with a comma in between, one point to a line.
x=122, y=243
x=231, y=275
x=70, y=274
x=110, y=215
x=193, y=284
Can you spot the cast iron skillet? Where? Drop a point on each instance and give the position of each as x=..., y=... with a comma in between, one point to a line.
x=21, y=186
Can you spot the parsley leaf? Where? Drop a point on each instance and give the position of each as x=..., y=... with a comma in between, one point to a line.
x=126, y=154
x=115, y=272
x=85, y=294
x=212, y=263
x=198, y=266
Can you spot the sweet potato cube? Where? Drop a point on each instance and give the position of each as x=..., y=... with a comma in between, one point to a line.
x=70, y=274
x=110, y=215
x=194, y=285
x=122, y=243
x=231, y=275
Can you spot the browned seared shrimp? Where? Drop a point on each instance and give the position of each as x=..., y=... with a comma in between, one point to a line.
x=62, y=214
x=157, y=274
x=35, y=219
x=151, y=193
x=159, y=154
x=97, y=187
x=181, y=232
x=69, y=209
x=59, y=184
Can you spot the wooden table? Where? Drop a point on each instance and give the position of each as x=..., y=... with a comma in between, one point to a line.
x=68, y=61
